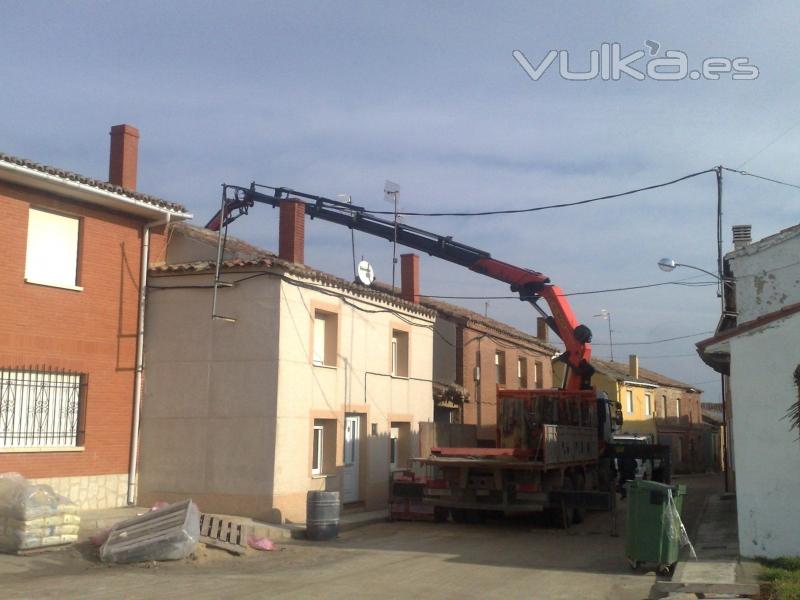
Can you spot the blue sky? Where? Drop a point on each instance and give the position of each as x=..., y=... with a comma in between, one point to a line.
x=337, y=97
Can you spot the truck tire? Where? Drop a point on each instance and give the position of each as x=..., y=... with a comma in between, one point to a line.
x=579, y=483
x=562, y=516
x=440, y=514
x=459, y=515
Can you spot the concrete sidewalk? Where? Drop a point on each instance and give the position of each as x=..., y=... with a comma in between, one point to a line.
x=717, y=569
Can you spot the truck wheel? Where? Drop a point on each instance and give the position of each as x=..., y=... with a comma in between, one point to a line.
x=579, y=483
x=476, y=517
x=562, y=516
x=459, y=515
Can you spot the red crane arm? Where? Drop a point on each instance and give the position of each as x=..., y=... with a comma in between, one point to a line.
x=530, y=285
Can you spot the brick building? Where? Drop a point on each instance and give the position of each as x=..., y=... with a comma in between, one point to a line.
x=70, y=290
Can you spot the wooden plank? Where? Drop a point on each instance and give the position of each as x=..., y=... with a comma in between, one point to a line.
x=230, y=547
x=42, y=549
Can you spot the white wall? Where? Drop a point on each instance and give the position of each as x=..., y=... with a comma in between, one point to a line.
x=767, y=452
x=306, y=391
x=767, y=276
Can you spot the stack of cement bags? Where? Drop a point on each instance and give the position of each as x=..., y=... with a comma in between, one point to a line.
x=34, y=516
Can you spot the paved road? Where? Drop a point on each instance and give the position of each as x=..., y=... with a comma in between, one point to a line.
x=519, y=559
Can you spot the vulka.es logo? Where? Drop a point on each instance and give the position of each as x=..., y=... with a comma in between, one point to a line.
x=608, y=63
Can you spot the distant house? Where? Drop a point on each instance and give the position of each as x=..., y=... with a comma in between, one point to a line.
x=73, y=249
x=664, y=410
x=714, y=417
x=308, y=382
x=474, y=356
x=756, y=345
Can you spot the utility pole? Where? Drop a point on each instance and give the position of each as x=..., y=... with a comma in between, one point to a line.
x=722, y=294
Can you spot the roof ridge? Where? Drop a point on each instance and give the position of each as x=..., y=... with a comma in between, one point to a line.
x=96, y=183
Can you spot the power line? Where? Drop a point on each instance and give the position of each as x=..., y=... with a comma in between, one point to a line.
x=619, y=289
x=774, y=140
x=672, y=339
x=512, y=211
x=778, y=181
x=694, y=354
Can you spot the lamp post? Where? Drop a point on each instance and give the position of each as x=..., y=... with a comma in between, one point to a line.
x=604, y=314
x=669, y=264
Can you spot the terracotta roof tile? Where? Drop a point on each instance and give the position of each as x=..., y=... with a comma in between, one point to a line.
x=247, y=256
x=620, y=371
x=96, y=183
x=459, y=312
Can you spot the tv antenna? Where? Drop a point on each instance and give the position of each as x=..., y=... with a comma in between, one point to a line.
x=391, y=191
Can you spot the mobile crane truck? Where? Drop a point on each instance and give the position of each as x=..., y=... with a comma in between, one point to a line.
x=555, y=448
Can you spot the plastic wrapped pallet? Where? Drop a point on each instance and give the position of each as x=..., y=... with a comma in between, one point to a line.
x=169, y=533
x=34, y=516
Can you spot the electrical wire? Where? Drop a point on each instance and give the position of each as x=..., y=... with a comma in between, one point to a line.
x=619, y=289
x=672, y=339
x=748, y=174
x=773, y=141
x=513, y=211
x=694, y=354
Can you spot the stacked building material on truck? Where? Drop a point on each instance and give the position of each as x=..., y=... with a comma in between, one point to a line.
x=33, y=516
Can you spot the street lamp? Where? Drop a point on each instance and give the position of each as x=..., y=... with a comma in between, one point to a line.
x=667, y=265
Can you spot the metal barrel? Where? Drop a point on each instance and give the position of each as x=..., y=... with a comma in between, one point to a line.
x=322, y=515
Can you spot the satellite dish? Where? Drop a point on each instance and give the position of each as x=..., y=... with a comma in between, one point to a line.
x=365, y=273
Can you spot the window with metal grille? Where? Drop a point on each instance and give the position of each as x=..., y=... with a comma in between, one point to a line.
x=42, y=408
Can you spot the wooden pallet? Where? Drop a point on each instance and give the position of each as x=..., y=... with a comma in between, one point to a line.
x=223, y=533
x=42, y=549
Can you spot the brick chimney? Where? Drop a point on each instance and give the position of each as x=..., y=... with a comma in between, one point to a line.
x=123, y=156
x=291, y=233
x=409, y=277
x=633, y=366
x=542, y=330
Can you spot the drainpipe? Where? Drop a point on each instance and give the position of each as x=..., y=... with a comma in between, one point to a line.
x=137, y=382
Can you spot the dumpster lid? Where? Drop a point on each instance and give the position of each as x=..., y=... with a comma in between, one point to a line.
x=653, y=486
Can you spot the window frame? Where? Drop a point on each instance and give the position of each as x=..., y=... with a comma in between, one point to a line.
x=33, y=278
x=54, y=402
x=648, y=405
x=500, y=367
x=522, y=372
x=400, y=353
x=318, y=443
x=329, y=336
x=394, y=446
x=629, y=404
x=538, y=369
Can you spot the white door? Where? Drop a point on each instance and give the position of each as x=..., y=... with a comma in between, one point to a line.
x=352, y=430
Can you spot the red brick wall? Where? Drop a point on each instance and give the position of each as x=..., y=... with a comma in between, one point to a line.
x=92, y=331
x=690, y=405
x=481, y=409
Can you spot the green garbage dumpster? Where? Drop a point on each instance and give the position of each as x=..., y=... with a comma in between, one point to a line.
x=653, y=532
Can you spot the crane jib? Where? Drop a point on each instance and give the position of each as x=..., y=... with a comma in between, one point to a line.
x=531, y=285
